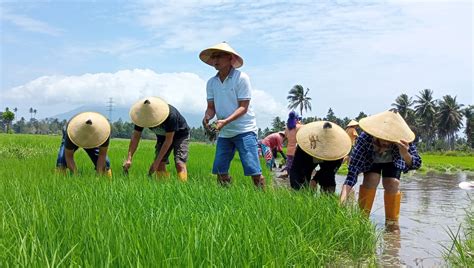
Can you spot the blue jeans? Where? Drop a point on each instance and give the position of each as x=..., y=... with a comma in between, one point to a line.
x=247, y=146
x=93, y=154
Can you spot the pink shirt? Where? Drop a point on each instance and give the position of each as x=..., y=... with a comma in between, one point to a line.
x=273, y=141
x=291, y=136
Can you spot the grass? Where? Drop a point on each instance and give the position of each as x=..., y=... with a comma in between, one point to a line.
x=461, y=254
x=445, y=163
x=85, y=220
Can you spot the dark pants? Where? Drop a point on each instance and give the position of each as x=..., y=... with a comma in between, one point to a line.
x=303, y=166
x=93, y=154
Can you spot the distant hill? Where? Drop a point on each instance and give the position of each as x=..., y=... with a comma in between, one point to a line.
x=194, y=120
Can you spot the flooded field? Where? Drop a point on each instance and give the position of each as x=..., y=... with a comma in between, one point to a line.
x=431, y=205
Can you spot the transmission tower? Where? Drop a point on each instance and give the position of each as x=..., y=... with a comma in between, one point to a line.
x=110, y=108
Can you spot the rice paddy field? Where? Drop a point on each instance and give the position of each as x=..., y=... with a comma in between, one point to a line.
x=48, y=219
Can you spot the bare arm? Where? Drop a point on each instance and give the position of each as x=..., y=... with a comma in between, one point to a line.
x=69, y=154
x=241, y=110
x=100, y=168
x=132, y=148
x=164, y=148
x=345, y=191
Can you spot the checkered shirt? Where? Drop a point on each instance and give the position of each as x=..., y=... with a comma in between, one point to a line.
x=362, y=158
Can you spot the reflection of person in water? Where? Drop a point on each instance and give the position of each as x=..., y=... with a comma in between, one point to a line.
x=390, y=256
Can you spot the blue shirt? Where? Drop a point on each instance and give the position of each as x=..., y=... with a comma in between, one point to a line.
x=362, y=158
x=226, y=96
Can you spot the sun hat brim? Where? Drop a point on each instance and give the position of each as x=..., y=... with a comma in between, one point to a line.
x=388, y=125
x=205, y=55
x=149, y=112
x=324, y=140
x=88, y=130
x=352, y=123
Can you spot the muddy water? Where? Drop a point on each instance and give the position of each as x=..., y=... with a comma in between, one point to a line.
x=430, y=205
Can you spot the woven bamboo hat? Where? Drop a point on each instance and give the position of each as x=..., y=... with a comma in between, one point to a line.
x=352, y=123
x=388, y=125
x=324, y=140
x=88, y=130
x=205, y=55
x=149, y=112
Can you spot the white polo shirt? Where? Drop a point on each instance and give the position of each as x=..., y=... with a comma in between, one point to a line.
x=226, y=96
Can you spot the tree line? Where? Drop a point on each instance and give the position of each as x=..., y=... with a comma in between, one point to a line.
x=436, y=122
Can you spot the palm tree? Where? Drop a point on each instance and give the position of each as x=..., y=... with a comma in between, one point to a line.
x=34, y=111
x=31, y=113
x=449, y=118
x=425, y=111
x=297, y=97
x=403, y=104
x=469, y=114
x=15, y=109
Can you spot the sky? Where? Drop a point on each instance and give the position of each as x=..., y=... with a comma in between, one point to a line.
x=354, y=56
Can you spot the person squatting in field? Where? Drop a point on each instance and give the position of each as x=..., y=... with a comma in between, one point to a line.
x=384, y=150
x=319, y=143
x=172, y=134
x=228, y=98
x=90, y=131
x=270, y=146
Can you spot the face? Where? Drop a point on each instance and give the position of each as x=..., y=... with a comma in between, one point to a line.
x=221, y=60
x=383, y=144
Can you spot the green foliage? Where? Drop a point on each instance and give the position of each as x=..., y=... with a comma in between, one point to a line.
x=85, y=220
x=461, y=253
x=298, y=97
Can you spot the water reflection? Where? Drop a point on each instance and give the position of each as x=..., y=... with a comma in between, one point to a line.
x=431, y=205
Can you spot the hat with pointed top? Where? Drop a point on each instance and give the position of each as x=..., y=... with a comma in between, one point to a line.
x=388, y=125
x=149, y=112
x=324, y=140
x=88, y=130
x=206, y=54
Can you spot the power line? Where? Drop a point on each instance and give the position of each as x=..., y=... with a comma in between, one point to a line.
x=110, y=108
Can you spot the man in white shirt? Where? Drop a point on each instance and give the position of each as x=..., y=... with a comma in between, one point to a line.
x=228, y=98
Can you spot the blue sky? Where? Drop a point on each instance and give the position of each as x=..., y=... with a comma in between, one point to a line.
x=353, y=55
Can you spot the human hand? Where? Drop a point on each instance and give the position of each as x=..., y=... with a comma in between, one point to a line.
x=403, y=147
x=153, y=168
x=220, y=124
x=126, y=165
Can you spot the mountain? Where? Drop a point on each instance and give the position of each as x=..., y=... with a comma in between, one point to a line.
x=194, y=120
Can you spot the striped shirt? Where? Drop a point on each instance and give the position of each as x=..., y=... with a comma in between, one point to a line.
x=362, y=158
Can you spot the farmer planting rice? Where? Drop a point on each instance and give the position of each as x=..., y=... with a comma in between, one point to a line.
x=351, y=130
x=270, y=146
x=384, y=149
x=319, y=143
x=228, y=98
x=292, y=126
x=172, y=134
x=90, y=131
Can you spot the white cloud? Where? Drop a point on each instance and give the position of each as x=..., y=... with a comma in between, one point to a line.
x=183, y=90
x=29, y=24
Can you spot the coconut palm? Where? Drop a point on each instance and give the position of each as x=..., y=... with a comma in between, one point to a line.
x=31, y=112
x=403, y=104
x=449, y=118
x=34, y=111
x=469, y=114
x=298, y=97
x=425, y=111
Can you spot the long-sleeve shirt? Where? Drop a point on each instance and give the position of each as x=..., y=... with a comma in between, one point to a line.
x=362, y=158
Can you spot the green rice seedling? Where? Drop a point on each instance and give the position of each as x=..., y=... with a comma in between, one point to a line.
x=87, y=220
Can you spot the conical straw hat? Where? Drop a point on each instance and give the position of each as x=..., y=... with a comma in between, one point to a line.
x=205, y=55
x=88, y=130
x=352, y=123
x=388, y=125
x=149, y=112
x=324, y=140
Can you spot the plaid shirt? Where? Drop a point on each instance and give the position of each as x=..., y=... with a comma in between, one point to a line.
x=362, y=158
